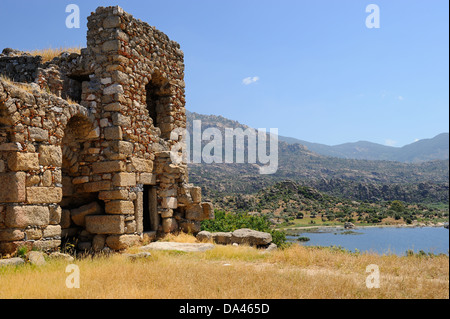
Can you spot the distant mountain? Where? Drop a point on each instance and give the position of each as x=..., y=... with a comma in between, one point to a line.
x=436, y=148
x=350, y=178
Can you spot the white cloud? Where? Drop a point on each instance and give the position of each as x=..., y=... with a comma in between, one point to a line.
x=416, y=140
x=401, y=98
x=390, y=142
x=250, y=80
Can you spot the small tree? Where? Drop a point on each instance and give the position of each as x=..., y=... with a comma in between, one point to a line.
x=398, y=206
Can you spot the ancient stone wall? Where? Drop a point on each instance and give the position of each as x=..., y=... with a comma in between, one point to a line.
x=99, y=170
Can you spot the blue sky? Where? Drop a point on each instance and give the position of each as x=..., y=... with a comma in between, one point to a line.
x=310, y=68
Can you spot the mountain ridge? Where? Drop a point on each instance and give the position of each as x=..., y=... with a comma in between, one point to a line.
x=429, y=149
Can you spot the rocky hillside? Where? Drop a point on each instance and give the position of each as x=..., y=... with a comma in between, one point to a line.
x=436, y=148
x=288, y=200
x=357, y=179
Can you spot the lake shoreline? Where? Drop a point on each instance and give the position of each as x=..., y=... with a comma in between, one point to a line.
x=366, y=226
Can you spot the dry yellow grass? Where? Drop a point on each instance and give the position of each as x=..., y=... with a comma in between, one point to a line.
x=28, y=88
x=234, y=272
x=23, y=86
x=49, y=53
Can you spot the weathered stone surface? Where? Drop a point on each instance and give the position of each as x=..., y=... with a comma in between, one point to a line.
x=169, y=202
x=169, y=225
x=111, y=22
x=147, y=179
x=15, y=192
x=42, y=195
x=196, y=194
x=18, y=161
x=105, y=224
x=195, y=212
x=98, y=242
x=65, y=218
x=11, y=262
x=52, y=231
x=55, y=215
x=190, y=226
x=36, y=258
x=22, y=216
x=33, y=234
x=113, y=195
x=46, y=245
x=251, y=237
x=204, y=236
x=113, y=133
x=142, y=165
x=93, y=187
x=11, y=234
x=108, y=167
x=37, y=134
x=79, y=214
x=50, y=155
x=119, y=207
x=120, y=242
x=58, y=255
x=208, y=210
x=222, y=238
x=124, y=179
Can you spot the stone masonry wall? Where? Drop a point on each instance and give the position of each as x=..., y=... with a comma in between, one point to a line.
x=88, y=170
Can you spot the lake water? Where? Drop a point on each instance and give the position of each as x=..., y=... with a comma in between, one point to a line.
x=381, y=240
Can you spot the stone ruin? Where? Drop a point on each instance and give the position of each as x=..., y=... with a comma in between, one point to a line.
x=85, y=145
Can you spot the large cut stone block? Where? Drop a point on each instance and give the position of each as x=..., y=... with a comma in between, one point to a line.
x=124, y=179
x=37, y=134
x=142, y=165
x=23, y=216
x=196, y=194
x=119, y=242
x=43, y=195
x=113, y=195
x=208, y=210
x=12, y=187
x=194, y=212
x=169, y=225
x=78, y=214
x=11, y=234
x=105, y=224
x=108, y=167
x=169, y=202
x=18, y=161
x=119, y=207
x=113, y=133
x=94, y=187
x=147, y=179
x=50, y=155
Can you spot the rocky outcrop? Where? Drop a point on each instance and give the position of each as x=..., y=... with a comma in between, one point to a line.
x=242, y=236
x=349, y=225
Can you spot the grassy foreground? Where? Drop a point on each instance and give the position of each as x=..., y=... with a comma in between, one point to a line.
x=234, y=272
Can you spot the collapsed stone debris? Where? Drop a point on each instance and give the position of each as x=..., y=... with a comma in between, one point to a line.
x=85, y=141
